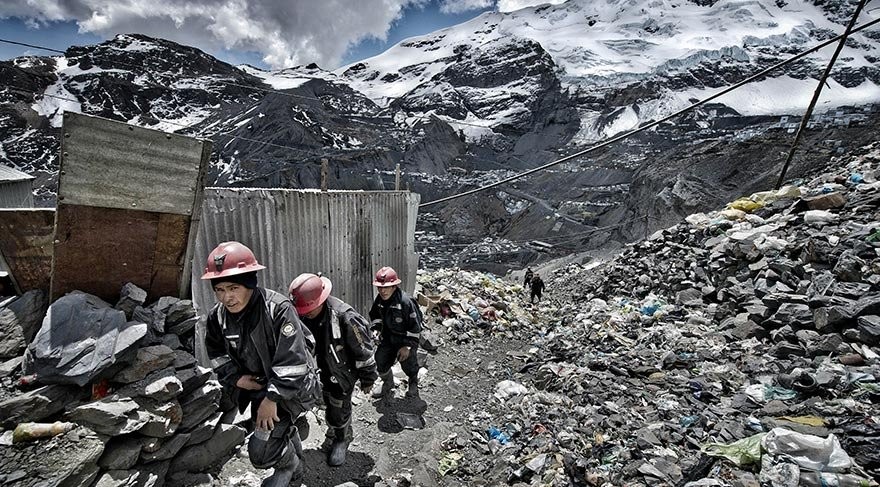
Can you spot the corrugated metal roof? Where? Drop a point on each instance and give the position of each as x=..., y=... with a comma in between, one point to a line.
x=10, y=174
x=347, y=235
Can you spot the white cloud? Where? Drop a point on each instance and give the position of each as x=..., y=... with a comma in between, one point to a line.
x=459, y=6
x=285, y=32
x=511, y=5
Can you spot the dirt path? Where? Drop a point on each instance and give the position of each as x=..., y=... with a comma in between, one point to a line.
x=455, y=396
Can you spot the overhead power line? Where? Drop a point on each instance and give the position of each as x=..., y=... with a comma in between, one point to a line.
x=649, y=125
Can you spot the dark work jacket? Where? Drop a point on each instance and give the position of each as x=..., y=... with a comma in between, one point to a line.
x=398, y=320
x=537, y=286
x=283, y=346
x=347, y=353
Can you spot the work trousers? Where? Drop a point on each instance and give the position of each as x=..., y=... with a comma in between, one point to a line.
x=386, y=355
x=338, y=413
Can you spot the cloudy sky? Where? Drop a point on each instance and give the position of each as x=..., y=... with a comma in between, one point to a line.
x=265, y=33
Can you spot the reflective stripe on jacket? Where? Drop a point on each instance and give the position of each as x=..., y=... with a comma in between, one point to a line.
x=399, y=319
x=349, y=345
x=285, y=348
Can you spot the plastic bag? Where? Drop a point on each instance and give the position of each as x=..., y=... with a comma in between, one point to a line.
x=808, y=451
x=741, y=452
x=820, y=217
x=745, y=204
x=507, y=388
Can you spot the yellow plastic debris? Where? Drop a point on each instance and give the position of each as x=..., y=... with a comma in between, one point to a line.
x=745, y=204
x=807, y=420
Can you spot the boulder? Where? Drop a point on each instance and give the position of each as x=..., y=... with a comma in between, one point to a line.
x=111, y=416
x=148, y=360
x=199, y=457
x=20, y=319
x=79, y=340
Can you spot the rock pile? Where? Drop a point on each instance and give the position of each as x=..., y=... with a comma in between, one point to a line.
x=748, y=334
x=140, y=410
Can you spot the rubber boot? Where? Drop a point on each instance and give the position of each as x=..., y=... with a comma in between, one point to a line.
x=338, y=449
x=412, y=389
x=387, y=385
x=282, y=477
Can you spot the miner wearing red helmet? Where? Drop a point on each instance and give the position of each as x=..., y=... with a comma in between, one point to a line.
x=262, y=356
x=344, y=352
x=398, y=321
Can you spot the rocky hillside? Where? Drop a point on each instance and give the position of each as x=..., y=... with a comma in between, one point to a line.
x=737, y=347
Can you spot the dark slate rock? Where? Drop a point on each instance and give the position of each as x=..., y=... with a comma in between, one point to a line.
x=148, y=360
x=784, y=349
x=796, y=315
x=154, y=318
x=19, y=321
x=203, y=431
x=193, y=378
x=201, y=404
x=78, y=341
x=163, y=419
x=10, y=366
x=199, y=457
x=183, y=327
x=849, y=267
x=130, y=298
x=38, y=404
x=825, y=319
x=121, y=453
x=869, y=329
x=168, y=448
x=183, y=359
x=179, y=312
x=111, y=416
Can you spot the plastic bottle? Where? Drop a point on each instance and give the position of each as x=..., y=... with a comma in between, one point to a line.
x=830, y=479
x=33, y=431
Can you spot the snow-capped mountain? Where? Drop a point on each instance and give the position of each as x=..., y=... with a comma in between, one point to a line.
x=473, y=103
x=650, y=57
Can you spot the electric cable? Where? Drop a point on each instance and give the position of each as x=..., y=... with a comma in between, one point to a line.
x=650, y=124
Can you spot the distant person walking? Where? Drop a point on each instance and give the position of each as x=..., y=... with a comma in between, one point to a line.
x=262, y=355
x=344, y=352
x=528, y=277
x=537, y=288
x=398, y=321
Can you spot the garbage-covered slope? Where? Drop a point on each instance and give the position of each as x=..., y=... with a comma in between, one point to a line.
x=759, y=318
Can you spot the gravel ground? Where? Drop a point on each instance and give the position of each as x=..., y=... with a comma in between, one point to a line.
x=458, y=383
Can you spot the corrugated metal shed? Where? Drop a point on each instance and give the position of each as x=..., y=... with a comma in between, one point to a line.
x=347, y=235
x=128, y=200
x=16, y=188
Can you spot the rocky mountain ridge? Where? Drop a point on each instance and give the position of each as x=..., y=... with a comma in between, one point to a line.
x=477, y=102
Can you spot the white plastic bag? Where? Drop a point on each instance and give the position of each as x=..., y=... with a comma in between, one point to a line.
x=809, y=451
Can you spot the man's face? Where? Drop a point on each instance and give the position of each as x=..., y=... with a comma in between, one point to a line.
x=234, y=297
x=314, y=313
x=386, y=292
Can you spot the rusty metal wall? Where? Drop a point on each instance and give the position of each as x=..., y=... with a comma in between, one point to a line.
x=17, y=194
x=26, y=246
x=128, y=203
x=347, y=235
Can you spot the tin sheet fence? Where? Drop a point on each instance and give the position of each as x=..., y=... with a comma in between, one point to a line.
x=346, y=235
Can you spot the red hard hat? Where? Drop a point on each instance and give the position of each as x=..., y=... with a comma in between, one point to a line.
x=229, y=259
x=386, y=277
x=308, y=291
